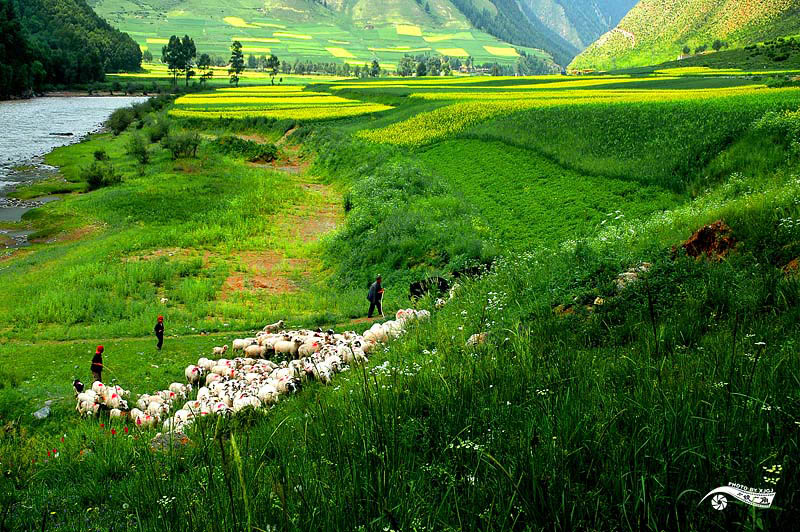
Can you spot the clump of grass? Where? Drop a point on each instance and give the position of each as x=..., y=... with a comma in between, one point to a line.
x=246, y=149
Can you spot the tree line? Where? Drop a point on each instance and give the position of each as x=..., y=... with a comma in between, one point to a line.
x=45, y=43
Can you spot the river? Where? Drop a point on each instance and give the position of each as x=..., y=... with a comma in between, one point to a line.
x=29, y=129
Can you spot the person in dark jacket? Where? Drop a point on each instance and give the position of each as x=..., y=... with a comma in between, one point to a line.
x=159, y=330
x=97, y=364
x=375, y=297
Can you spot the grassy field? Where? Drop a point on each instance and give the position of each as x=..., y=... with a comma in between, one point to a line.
x=306, y=31
x=591, y=406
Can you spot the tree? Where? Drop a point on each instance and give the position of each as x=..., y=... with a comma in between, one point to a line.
x=188, y=53
x=147, y=56
x=405, y=67
x=273, y=66
x=687, y=50
x=237, y=62
x=172, y=56
x=204, y=64
x=252, y=63
x=718, y=45
x=375, y=69
x=422, y=69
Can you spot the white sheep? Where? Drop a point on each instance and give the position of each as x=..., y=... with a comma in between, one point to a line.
x=193, y=374
x=274, y=327
x=255, y=351
x=219, y=350
x=288, y=347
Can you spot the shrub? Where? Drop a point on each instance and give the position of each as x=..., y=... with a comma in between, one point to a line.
x=101, y=174
x=783, y=127
x=100, y=155
x=137, y=148
x=252, y=151
x=158, y=127
x=183, y=144
x=120, y=120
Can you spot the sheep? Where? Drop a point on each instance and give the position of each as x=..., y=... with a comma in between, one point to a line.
x=308, y=349
x=98, y=388
x=180, y=389
x=288, y=347
x=212, y=377
x=241, y=343
x=255, y=351
x=87, y=397
x=115, y=413
x=193, y=374
x=268, y=394
x=275, y=327
x=220, y=350
x=245, y=401
x=206, y=364
x=113, y=401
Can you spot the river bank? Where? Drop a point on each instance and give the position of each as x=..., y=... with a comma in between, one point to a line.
x=29, y=129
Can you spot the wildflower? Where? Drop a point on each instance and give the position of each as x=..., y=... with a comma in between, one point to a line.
x=62, y=439
x=102, y=425
x=113, y=432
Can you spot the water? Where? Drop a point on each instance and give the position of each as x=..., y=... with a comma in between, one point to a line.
x=29, y=129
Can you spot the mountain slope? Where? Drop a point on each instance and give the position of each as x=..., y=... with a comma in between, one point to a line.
x=361, y=30
x=657, y=30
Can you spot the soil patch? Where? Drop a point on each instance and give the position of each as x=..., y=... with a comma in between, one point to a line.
x=793, y=268
x=713, y=241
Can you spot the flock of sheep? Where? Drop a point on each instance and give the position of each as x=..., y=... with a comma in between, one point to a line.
x=227, y=386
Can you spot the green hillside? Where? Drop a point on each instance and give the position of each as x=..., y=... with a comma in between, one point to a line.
x=658, y=30
x=356, y=31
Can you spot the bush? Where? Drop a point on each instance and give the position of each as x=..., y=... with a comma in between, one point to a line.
x=158, y=127
x=137, y=148
x=101, y=174
x=100, y=155
x=120, y=120
x=783, y=127
x=183, y=144
x=252, y=151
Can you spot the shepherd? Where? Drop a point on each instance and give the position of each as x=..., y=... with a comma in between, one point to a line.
x=97, y=364
x=159, y=330
x=375, y=297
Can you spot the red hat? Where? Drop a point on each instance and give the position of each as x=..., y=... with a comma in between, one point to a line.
x=161, y=318
x=100, y=348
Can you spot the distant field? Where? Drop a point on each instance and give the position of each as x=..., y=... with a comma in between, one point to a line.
x=158, y=73
x=323, y=39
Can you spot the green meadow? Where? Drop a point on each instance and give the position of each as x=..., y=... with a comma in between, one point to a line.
x=593, y=404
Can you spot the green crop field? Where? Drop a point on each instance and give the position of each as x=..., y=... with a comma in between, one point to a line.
x=308, y=32
x=597, y=401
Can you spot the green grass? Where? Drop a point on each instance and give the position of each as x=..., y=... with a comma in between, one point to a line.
x=578, y=413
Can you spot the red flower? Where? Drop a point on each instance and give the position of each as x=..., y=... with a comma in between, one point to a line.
x=55, y=451
x=126, y=430
x=113, y=432
x=62, y=439
x=48, y=454
x=102, y=425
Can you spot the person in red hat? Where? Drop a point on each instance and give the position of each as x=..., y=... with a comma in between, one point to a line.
x=97, y=364
x=159, y=330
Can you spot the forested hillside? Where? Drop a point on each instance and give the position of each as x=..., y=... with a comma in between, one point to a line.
x=661, y=30
x=58, y=42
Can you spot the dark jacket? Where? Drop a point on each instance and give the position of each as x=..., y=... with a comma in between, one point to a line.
x=97, y=362
x=375, y=293
x=159, y=328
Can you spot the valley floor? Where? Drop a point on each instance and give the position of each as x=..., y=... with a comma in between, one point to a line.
x=623, y=376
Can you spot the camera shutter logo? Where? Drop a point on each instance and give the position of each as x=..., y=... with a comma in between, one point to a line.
x=752, y=497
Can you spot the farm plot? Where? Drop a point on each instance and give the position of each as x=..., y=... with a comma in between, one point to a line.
x=279, y=102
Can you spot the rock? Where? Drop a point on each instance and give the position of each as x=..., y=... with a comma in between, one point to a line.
x=62, y=134
x=42, y=413
x=713, y=241
x=173, y=440
x=477, y=339
x=631, y=276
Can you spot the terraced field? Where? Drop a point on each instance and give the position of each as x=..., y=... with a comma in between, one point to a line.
x=308, y=33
